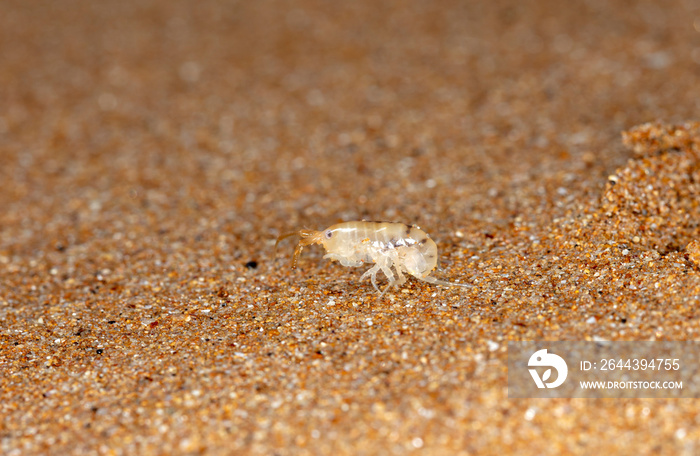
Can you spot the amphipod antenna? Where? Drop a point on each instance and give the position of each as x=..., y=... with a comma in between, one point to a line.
x=308, y=237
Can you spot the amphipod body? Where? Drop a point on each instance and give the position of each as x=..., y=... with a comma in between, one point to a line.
x=405, y=248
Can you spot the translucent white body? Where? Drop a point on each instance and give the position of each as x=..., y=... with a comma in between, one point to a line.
x=388, y=245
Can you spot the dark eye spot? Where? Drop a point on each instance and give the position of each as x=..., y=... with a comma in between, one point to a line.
x=329, y=234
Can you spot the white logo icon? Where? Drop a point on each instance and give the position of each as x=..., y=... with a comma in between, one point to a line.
x=543, y=359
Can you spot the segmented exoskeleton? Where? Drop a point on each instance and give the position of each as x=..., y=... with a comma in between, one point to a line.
x=405, y=248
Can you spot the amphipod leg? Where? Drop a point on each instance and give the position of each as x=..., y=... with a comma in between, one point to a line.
x=389, y=275
x=402, y=278
x=344, y=261
x=372, y=273
x=435, y=281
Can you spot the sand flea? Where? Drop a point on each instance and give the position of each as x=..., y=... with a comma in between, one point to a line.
x=404, y=247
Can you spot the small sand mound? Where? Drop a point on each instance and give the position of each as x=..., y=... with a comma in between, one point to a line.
x=693, y=250
x=656, y=196
x=651, y=138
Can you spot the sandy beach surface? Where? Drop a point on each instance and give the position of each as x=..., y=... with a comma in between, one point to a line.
x=151, y=152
